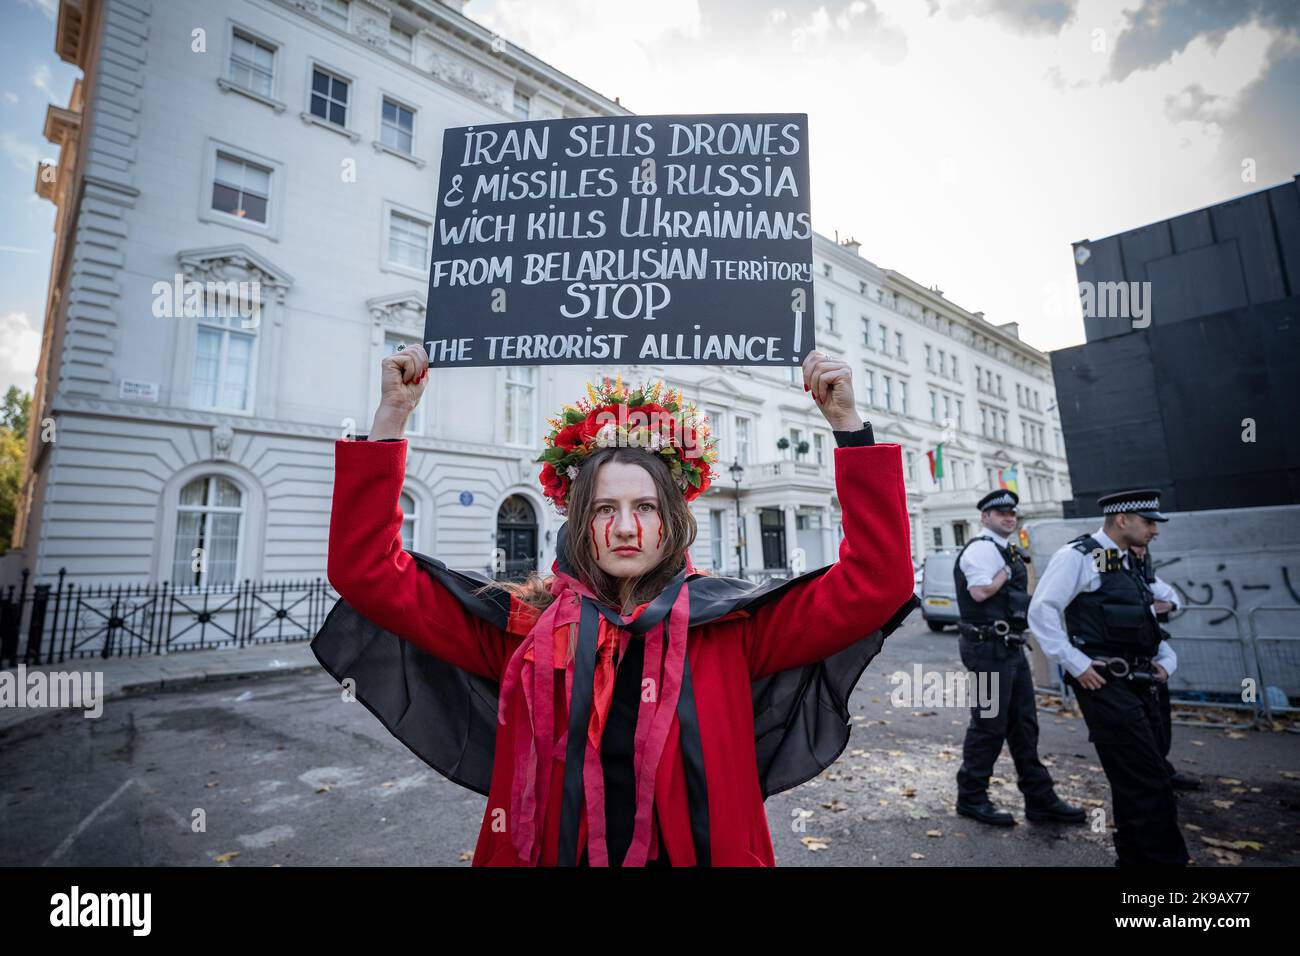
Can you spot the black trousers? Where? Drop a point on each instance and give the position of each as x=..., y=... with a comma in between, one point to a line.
x=1167, y=725
x=1016, y=723
x=1125, y=725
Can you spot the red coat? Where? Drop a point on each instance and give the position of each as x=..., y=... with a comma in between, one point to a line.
x=809, y=622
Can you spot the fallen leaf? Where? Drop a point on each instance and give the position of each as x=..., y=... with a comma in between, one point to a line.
x=226, y=857
x=324, y=788
x=814, y=843
x=466, y=856
x=909, y=791
x=1230, y=781
x=1223, y=804
x=920, y=813
x=918, y=856
x=934, y=833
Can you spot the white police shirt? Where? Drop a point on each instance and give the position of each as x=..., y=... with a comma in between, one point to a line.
x=1070, y=573
x=981, y=561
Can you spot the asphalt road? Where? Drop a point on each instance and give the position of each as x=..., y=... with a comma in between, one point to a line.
x=281, y=770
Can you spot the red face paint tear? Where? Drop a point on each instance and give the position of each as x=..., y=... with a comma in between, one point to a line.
x=592, y=528
x=637, y=519
x=608, y=524
x=661, y=533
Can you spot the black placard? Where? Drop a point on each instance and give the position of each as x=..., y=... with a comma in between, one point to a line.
x=623, y=240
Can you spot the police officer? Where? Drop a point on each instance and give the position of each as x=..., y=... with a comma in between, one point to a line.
x=1093, y=614
x=992, y=597
x=1166, y=601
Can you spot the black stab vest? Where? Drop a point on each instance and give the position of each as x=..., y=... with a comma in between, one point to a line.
x=1116, y=618
x=1010, y=599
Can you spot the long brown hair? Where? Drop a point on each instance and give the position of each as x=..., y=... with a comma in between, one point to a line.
x=622, y=593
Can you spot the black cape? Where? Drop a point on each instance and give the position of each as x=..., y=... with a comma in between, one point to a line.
x=448, y=716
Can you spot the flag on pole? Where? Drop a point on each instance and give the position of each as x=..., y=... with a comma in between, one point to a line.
x=936, y=461
x=1007, y=479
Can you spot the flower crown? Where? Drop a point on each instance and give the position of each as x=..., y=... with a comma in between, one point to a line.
x=653, y=418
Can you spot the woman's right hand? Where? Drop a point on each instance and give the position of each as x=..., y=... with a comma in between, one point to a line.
x=403, y=377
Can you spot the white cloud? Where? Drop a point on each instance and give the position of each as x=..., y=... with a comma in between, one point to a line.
x=22, y=154
x=20, y=350
x=10, y=97
x=41, y=77
x=48, y=7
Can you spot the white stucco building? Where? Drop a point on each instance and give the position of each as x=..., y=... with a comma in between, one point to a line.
x=296, y=143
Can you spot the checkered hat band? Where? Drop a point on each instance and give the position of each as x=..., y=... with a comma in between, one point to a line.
x=1001, y=501
x=1151, y=504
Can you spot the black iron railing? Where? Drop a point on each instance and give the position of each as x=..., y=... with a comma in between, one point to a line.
x=49, y=623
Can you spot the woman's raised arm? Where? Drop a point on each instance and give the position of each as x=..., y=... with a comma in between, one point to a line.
x=872, y=578
x=367, y=565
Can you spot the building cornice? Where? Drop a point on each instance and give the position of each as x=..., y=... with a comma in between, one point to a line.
x=135, y=411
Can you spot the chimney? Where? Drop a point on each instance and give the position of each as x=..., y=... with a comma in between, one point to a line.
x=851, y=244
x=1011, y=328
x=978, y=315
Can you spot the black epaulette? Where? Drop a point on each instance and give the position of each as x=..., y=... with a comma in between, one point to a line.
x=1088, y=546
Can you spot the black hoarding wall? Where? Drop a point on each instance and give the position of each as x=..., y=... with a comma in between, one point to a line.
x=1238, y=253
x=1171, y=408
x=1110, y=417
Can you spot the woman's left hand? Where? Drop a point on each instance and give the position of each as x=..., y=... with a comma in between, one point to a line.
x=830, y=382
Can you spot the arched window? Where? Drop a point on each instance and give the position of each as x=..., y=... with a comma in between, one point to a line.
x=209, y=518
x=408, y=521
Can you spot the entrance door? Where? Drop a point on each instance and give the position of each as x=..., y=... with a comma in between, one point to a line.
x=772, y=527
x=517, y=538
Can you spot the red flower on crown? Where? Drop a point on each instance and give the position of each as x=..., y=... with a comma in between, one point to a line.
x=651, y=417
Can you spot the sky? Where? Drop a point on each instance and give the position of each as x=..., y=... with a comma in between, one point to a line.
x=963, y=143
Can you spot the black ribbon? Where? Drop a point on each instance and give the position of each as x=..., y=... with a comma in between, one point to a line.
x=584, y=677
x=580, y=718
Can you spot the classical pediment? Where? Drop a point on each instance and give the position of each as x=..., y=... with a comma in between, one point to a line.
x=895, y=432
x=403, y=310
x=233, y=263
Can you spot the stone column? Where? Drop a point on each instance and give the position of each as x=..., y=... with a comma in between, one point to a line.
x=791, y=534
x=829, y=554
x=753, y=540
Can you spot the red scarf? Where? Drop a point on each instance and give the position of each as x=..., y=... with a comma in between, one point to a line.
x=532, y=668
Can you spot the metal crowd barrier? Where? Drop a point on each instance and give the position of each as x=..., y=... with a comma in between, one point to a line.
x=1278, y=657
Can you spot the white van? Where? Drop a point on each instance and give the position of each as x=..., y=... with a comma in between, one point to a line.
x=939, y=590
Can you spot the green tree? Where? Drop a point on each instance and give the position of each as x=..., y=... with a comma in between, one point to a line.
x=14, y=413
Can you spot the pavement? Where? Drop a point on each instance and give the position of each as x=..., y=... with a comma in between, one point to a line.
x=124, y=676
x=255, y=757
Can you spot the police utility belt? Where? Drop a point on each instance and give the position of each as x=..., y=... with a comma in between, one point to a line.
x=997, y=631
x=1134, y=667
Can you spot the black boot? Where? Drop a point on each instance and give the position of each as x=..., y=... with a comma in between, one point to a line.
x=985, y=812
x=1058, y=812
